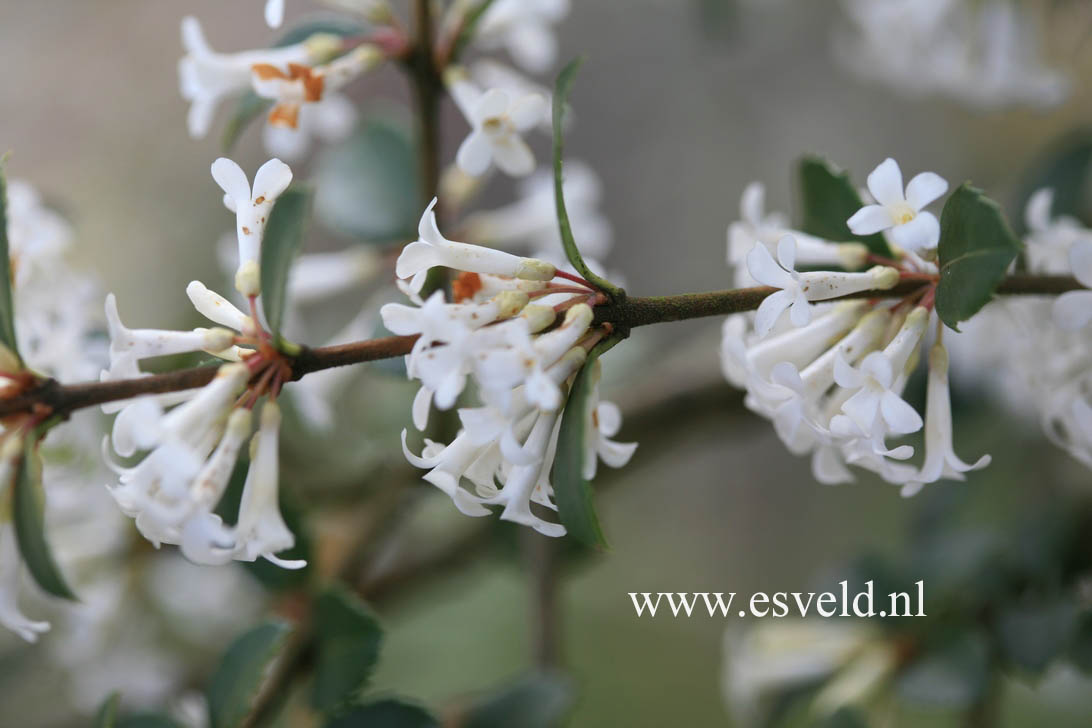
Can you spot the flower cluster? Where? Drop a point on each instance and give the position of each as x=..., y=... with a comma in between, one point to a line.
x=192, y=440
x=831, y=376
x=1057, y=387
x=984, y=54
x=521, y=337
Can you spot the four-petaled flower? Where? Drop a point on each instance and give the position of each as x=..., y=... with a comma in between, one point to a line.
x=497, y=119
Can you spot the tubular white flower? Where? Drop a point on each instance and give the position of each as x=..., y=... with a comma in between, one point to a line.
x=940, y=458
x=1073, y=310
x=496, y=120
x=797, y=289
x=261, y=531
x=218, y=309
x=875, y=398
x=206, y=77
x=604, y=422
x=131, y=345
x=433, y=249
x=898, y=211
x=251, y=208
x=296, y=86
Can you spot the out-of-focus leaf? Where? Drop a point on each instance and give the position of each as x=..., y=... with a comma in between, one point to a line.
x=954, y=674
x=107, y=715
x=1065, y=169
x=470, y=27
x=280, y=246
x=349, y=637
x=536, y=701
x=29, y=516
x=238, y=679
x=976, y=248
x=572, y=252
x=829, y=199
x=366, y=186
x=843, y=718
x=249, y=106
x=572, y=493
x=718, y=19
x=147, y=720
x=1032, y=635
x=7, y=308
x=1080, y=648
x=389, y=713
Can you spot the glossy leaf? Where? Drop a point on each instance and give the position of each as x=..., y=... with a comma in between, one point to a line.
x=976, y=248
x=238, y=679
x=829, y=199
x=572, y=252
x=349, y=638
x=107, y=715
x=29, y=517
x=572, y=493
x=7, y=308
x=366, y=186
x=537, y=701
x=389, y=713
x=280, y=246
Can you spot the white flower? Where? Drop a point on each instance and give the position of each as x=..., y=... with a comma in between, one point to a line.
x=274, y=13
x=128, y=346
x=756, y=225
x=604, y=422
x=433, y=249
x=523, y=27
x=496, y=119
x=329, y=120
x=206, y=78
x=940, y=458
x=261, y=531
x=251, y=208
x=797, y=289
x=295, y=86
x=875, y=398
x=1073, y=310
x=911, y=228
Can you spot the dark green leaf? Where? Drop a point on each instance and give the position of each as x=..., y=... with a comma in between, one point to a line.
x=843, y=718
x=249, y=106
x=28, y=514
x=572, y=492
x=572, y=252
x=1065, y=170
x=536, y=701
x=348, y=637
x=7, y=308
x=829, y=199
x=389, y=713
x=1033, y=634
x=107, y=717
x=954, y=674
x=366, y=186
x=976, y=248
x=1080, y=650
x=237, y=680
x=280, y=246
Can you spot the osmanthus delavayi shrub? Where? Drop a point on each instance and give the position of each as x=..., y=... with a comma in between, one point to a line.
x=500, y=318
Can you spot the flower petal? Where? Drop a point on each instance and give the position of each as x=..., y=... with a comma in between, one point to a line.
x=920, y=233
x=899, y=415
x=885, y=183
x=770, y=310
x=271, y=179
x=475, y=154
x=232, y=179
x=786, y=252
x=870, y=219
x=528, y=111
x=764, y=269
x=493, y=102
x=1073, y=310
x=924, y=188
x=513, y=156
x=1080, y=261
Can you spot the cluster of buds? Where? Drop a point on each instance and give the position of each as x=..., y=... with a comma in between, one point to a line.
x=831, y=376
x=521, y=335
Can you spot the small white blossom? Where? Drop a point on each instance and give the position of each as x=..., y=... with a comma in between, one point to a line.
x=797, y=289
x=901, y=212
x=524, y=28
x=496, y=119
x=274, y=13
x=251, y=208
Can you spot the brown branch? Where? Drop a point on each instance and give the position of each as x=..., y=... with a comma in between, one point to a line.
x=62, y=400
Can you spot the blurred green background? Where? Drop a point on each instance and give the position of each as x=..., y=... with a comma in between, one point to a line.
x=679, y=106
